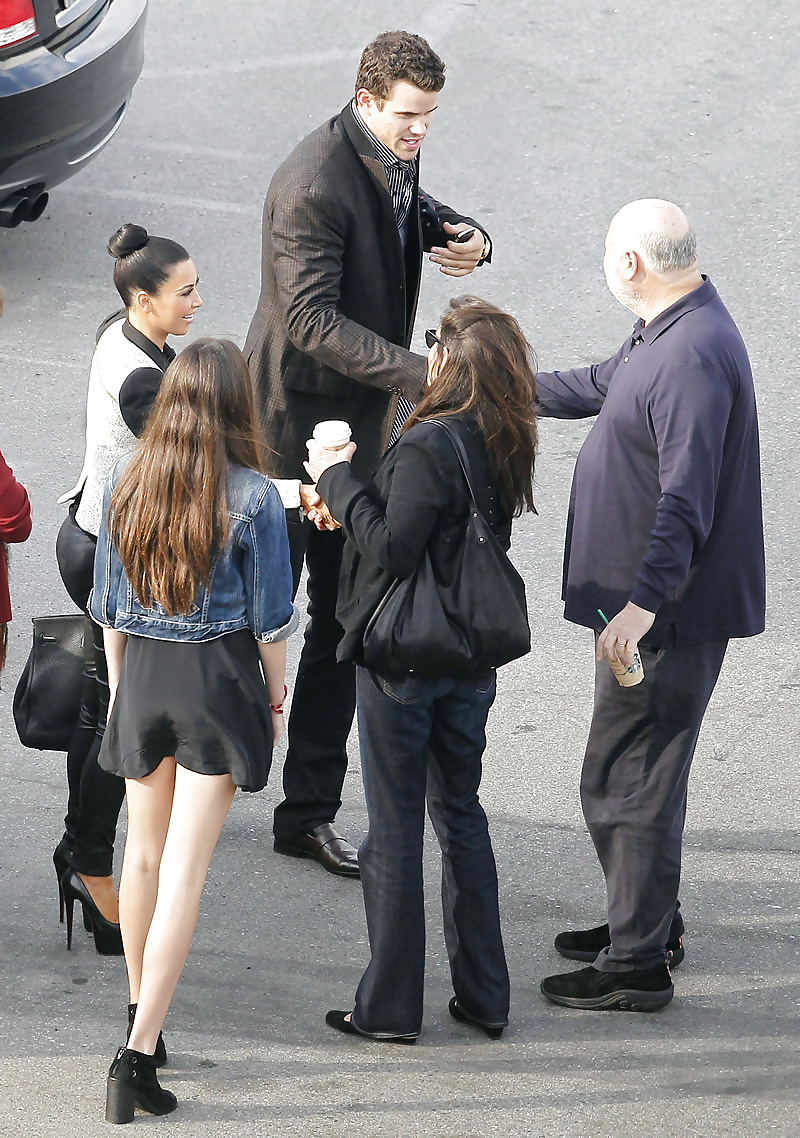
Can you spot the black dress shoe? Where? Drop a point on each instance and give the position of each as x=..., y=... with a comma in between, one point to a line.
x=494, y=1031
x=643, y=990
x=347, y=1027
x=584, y=944
x=330, y=849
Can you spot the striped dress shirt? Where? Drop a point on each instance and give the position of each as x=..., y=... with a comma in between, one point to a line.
x=401, y=177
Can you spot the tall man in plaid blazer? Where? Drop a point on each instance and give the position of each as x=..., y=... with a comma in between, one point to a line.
x=345, y=227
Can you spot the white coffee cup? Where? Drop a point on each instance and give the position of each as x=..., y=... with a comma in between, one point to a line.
x=332, y=434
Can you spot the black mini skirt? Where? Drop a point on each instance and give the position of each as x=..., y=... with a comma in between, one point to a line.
x=204, y=703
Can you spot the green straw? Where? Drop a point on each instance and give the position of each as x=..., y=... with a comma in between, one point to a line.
x=605, y=618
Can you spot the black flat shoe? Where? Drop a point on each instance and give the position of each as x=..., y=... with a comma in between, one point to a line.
x=458, y=1013
x=132, y=1082
x=642, y=990
x=338, y=1020
x=585, y=944
x=160, y=1053
x=107, y=935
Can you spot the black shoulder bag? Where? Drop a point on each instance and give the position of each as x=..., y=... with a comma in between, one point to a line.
x=463, y=627
x=47, y=700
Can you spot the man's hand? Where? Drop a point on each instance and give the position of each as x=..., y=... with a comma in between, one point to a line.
x=309, y=498
x=459, y=260
x=619, y=639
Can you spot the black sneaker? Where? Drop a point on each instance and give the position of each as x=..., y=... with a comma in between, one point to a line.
x=645, y=990
x=584, y=944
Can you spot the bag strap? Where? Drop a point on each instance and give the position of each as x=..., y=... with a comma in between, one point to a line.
x=461, y=454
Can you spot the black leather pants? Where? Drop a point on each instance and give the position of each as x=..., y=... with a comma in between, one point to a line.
x=95, y=796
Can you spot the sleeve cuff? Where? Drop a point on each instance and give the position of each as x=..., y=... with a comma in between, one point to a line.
x=285, y=630
x=646, y=597
x=289, y=490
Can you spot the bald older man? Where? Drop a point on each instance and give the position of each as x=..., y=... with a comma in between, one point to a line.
x=664, y=537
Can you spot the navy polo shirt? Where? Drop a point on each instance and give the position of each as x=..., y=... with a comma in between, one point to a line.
x=665, y=508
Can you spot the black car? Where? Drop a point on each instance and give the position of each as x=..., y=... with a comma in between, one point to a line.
x=67, y=69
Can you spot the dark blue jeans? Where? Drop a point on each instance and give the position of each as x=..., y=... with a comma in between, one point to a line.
x=423, y=740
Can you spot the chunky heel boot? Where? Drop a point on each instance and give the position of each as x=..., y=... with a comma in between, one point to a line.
x=160, y=1054
x=107, y=934
x=132, y=1082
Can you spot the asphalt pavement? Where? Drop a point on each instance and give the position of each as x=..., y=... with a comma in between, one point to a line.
x=553, y=116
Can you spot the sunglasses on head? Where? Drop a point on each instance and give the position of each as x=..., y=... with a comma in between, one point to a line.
x=432, y=338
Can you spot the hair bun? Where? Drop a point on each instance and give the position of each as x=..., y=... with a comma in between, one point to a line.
x=127, y=239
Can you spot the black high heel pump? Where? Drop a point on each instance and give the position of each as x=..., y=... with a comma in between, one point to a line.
x=62, y=860
x=132, y=1082
x=107, y=935
x=458, y=1013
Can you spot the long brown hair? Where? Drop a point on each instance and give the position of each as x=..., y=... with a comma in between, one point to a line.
x=490, y=375
x=169, y=515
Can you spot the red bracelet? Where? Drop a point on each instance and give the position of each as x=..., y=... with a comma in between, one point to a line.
x=278, y=707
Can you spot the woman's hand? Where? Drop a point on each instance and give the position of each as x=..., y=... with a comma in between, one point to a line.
x=315, y=509
x=278, y=726
x=319, y=458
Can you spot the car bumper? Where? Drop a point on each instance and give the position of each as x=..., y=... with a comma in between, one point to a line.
x=58, y=108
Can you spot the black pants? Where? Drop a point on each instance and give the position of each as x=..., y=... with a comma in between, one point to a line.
x=422, y=742
x=95, y=796
x=633, y=792
x=324, y=697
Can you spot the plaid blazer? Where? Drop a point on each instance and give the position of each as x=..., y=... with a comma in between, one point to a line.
x=330, y=336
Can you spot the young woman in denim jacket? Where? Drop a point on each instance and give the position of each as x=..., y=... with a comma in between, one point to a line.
x=422, y=739
x=193, y=589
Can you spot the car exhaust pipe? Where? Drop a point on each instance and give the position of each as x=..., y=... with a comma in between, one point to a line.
x=37, y=206
x=16, y=208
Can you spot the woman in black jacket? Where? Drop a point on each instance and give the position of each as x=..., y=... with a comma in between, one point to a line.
x=422, y=739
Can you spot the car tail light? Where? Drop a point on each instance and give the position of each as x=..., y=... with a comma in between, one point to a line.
x=17, y=21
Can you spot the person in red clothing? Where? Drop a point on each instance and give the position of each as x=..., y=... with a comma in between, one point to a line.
x=15, y=525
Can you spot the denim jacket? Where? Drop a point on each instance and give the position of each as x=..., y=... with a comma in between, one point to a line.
x=251, y=579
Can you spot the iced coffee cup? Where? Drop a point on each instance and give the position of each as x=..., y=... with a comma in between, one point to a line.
x=628, y=675
x=333, y=434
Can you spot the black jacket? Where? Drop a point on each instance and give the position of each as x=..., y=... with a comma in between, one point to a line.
x=330, y=336
x=417, y=500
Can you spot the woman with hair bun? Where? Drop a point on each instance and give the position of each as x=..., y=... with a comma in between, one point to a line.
x=157, y=281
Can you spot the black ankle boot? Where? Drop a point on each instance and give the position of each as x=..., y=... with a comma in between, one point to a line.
x=132, y=1082
x=160, y=1054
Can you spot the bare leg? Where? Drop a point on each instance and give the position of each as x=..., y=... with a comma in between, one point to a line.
x=200, y=805
x=149, y=808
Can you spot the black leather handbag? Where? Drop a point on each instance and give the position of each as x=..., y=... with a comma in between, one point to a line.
x=47, y=699
x=462, y=627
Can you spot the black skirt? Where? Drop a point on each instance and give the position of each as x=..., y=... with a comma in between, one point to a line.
x=206, y=704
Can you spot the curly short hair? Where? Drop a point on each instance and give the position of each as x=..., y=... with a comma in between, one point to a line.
x=396, y=56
